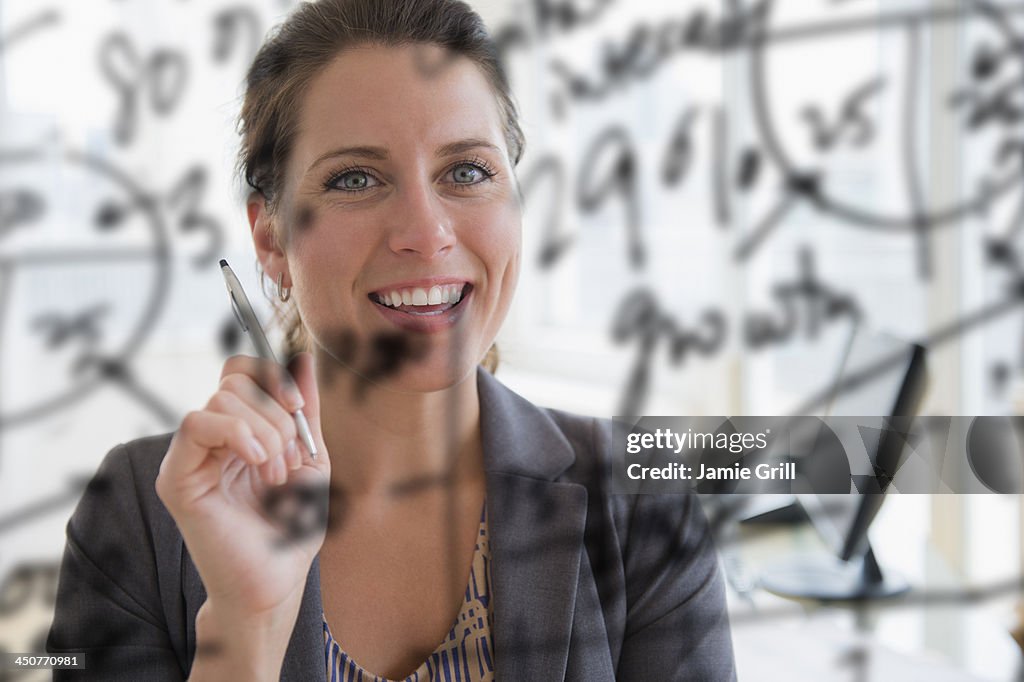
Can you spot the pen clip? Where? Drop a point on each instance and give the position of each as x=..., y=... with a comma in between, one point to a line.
x=238, y=312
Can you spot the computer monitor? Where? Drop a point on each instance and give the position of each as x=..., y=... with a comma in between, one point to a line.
x=853, y=573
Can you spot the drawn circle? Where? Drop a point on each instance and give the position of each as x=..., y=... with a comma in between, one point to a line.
x=113, y=194
x=846, y=210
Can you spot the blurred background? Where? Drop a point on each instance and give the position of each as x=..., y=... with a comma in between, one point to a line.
x=718, y=196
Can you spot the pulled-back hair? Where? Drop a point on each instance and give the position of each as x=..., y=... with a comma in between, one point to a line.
x=315, y=33
x=312, y=36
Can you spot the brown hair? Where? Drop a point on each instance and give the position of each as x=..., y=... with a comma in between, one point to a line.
x=309, y=39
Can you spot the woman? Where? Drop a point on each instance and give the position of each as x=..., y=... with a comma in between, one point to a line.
x=380, y=142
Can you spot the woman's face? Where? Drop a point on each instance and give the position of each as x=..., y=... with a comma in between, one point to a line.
x=401, y=213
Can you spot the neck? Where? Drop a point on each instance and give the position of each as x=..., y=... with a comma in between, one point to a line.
x=382, y=441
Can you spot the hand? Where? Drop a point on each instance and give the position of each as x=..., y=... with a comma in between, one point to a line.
x=217, y=474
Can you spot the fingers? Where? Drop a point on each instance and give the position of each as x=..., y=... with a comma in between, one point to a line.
x=204, y=432
x=275, y=381
x=249, y=416
x=270, y=390
x=272, y=427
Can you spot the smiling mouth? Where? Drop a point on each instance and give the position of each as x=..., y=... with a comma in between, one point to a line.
x=423, y=301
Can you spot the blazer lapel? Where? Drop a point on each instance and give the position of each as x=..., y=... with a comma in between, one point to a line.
x=536, y=527
x=304, y=659
x=536, y=532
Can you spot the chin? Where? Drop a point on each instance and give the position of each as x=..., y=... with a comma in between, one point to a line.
x=405, y=363
x=434, y=372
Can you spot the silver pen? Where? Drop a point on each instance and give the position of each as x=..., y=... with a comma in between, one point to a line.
x=251, y=325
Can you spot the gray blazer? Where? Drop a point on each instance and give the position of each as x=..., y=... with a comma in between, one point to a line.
x=587, y=585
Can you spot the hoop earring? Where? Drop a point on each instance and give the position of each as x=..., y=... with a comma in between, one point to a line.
x=283, y=292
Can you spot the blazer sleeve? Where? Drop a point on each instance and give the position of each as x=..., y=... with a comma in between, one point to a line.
x=108, y=599
x=677, y=626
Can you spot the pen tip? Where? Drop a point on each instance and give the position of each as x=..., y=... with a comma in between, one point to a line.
x=223, y=263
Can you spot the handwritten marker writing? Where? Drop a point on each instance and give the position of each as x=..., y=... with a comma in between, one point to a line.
x=251, y=325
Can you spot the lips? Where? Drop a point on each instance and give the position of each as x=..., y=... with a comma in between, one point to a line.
x=409, y=299
x=429, y=307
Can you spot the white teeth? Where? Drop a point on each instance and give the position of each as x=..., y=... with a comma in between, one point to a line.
x=418, y=296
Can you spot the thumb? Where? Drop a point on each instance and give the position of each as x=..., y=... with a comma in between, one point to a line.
x=301, y=369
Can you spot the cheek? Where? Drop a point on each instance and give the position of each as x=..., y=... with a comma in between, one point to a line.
x=497, y=238
x=510, y=243
x=294, y=224
x=500, y=249
x=324, y=260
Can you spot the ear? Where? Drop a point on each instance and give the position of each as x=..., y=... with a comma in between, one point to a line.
x=268, y=248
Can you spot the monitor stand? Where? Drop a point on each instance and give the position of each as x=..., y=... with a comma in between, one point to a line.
x=827, y=578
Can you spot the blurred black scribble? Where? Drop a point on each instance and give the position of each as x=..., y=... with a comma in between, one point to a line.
x=369, y=360
x=233, y=25
x=606, y=175
x=805, y=305
x=186, y=199
x=47, y=18
x=303, y=510
x=59, y=329
x=161, y=78
x=48, y=504
x=117, y=373
x=229, y=338
x=19, y=208
x=27, y=583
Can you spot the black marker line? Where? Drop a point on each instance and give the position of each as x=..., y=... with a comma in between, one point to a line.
x=936, y=338
x=522, y=643
x=1017, y=220
x=751, y=242
x=44, y=19
x=119, y=375
x=720, y=126
x=228, y=23
x=60, y=328
x=754, y=35
x=13, y=155
x=160, y=282
x=6, y=282
x=44, y=506
x=826, y=28
x=161, y=248
x=916, y=598
x=867, y=23
x=77, y=256
x=852, y=213
x=768, y=136
x=1015, y=225
x=457, y=578
x=189, y=194
x=913, y=178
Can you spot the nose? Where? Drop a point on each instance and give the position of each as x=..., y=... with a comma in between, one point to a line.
x=421, y=225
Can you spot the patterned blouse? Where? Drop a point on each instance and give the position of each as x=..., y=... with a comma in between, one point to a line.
x=467, y=652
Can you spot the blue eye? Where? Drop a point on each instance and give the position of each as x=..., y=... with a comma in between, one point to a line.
x=353, y=180
x=468, y=173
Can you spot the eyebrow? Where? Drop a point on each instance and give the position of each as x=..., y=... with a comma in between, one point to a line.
x=464, y=146
x=375, y=153
x=382, y=154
